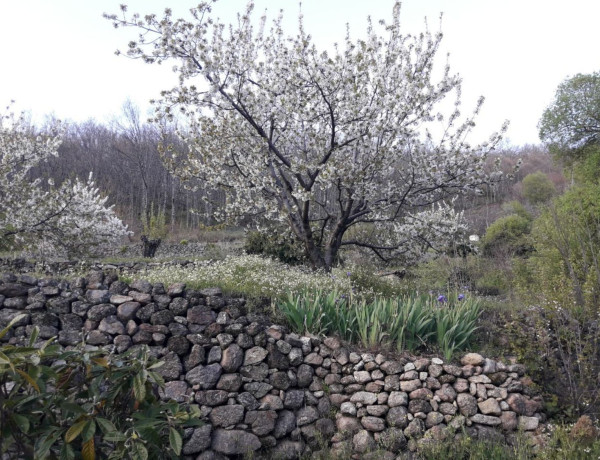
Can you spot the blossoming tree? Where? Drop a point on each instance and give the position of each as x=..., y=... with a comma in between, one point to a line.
x=337, y=145
x=70, y=219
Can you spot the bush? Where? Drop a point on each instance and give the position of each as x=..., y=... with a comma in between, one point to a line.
x=85, y=403
x=507, y=237
x=284, y=248
x=538, y=188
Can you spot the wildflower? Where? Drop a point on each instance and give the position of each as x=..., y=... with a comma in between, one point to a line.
x=442, y=298
x=461, y=296
x=348, y=273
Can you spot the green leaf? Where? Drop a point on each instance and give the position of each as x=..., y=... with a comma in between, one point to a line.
x=43, y=444
x=29, y=380
x=74, y=431
x=22, y=422
x=106, y=425
x=115, y=436
x=139, y=387
x=16, y=319
x=88, y=431
x=67, y=452
x=156, y=365
x=175, y=441
x=139, y=451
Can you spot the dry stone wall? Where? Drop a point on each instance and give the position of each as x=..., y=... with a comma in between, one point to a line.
x=262, y=389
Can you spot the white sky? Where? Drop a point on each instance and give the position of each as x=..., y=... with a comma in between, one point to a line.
x=58, y=55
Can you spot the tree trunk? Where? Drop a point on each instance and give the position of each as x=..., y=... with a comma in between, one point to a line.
x=150, y=246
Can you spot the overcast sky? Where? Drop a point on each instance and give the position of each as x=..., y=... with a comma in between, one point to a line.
x=58, y=55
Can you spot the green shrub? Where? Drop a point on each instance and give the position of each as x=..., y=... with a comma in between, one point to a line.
x=281, y=247
x=538, y=188
x=507, y=237
x=85, y=403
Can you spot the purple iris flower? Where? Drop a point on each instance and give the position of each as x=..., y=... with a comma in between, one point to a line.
x=461, y=296
x=442, y=298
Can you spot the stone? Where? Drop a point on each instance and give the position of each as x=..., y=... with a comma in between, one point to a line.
x=363, y=442
x=141, y=286
x=162, y=317
x=258, y=389
x=467, y=404
x=410, y=385
x=176, y=289
x=111, y=325
x=490, y=407
x=306, y=415
x=509, y=421
x=177, y=390
x=228, y=415
x=254, y=355
x=472, y=359
x=100, y=311
x=373, y=423
x=528, y=423
x=127, y=310
x=397, y=417
x=178, y=345
x=392, y=367
x=97, y=296
x=415, y=428
x=199, y=441
x=205, y=376
x=9, y=290
x=364, y=397
x=230, y=382
x=486, y=420
x=201, y=315
x=234, y=442
x=433, y=419
x=285, y=424
x=262, y=421
x=172, y=368
x=304, y=375
x=232, y=359
x=294, y=399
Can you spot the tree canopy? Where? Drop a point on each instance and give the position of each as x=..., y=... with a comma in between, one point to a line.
x=343, y=147
x=67, y=219
x=571, y=123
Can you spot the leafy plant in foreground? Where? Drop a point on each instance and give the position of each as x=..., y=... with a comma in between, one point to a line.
x=85, y=403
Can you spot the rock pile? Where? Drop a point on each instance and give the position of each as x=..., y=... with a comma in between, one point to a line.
x=263, y=389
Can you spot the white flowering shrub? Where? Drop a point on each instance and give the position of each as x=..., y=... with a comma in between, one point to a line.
x=70, y=219
x=256, y=276
x=324, y=142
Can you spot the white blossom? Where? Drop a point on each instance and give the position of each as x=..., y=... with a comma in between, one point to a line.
x=331, y=144
x=70, y=219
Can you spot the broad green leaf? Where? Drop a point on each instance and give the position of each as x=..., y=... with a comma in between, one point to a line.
x=29, y=379
x=88, y=431
x=106, y=425
x=67, y=452
x=175, y=441
x=44, y=443
x=22, y=422
x=139, y=451
x=139, y=387
x=75, y=429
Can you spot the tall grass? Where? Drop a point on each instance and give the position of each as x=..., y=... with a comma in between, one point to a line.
x=407, y=322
